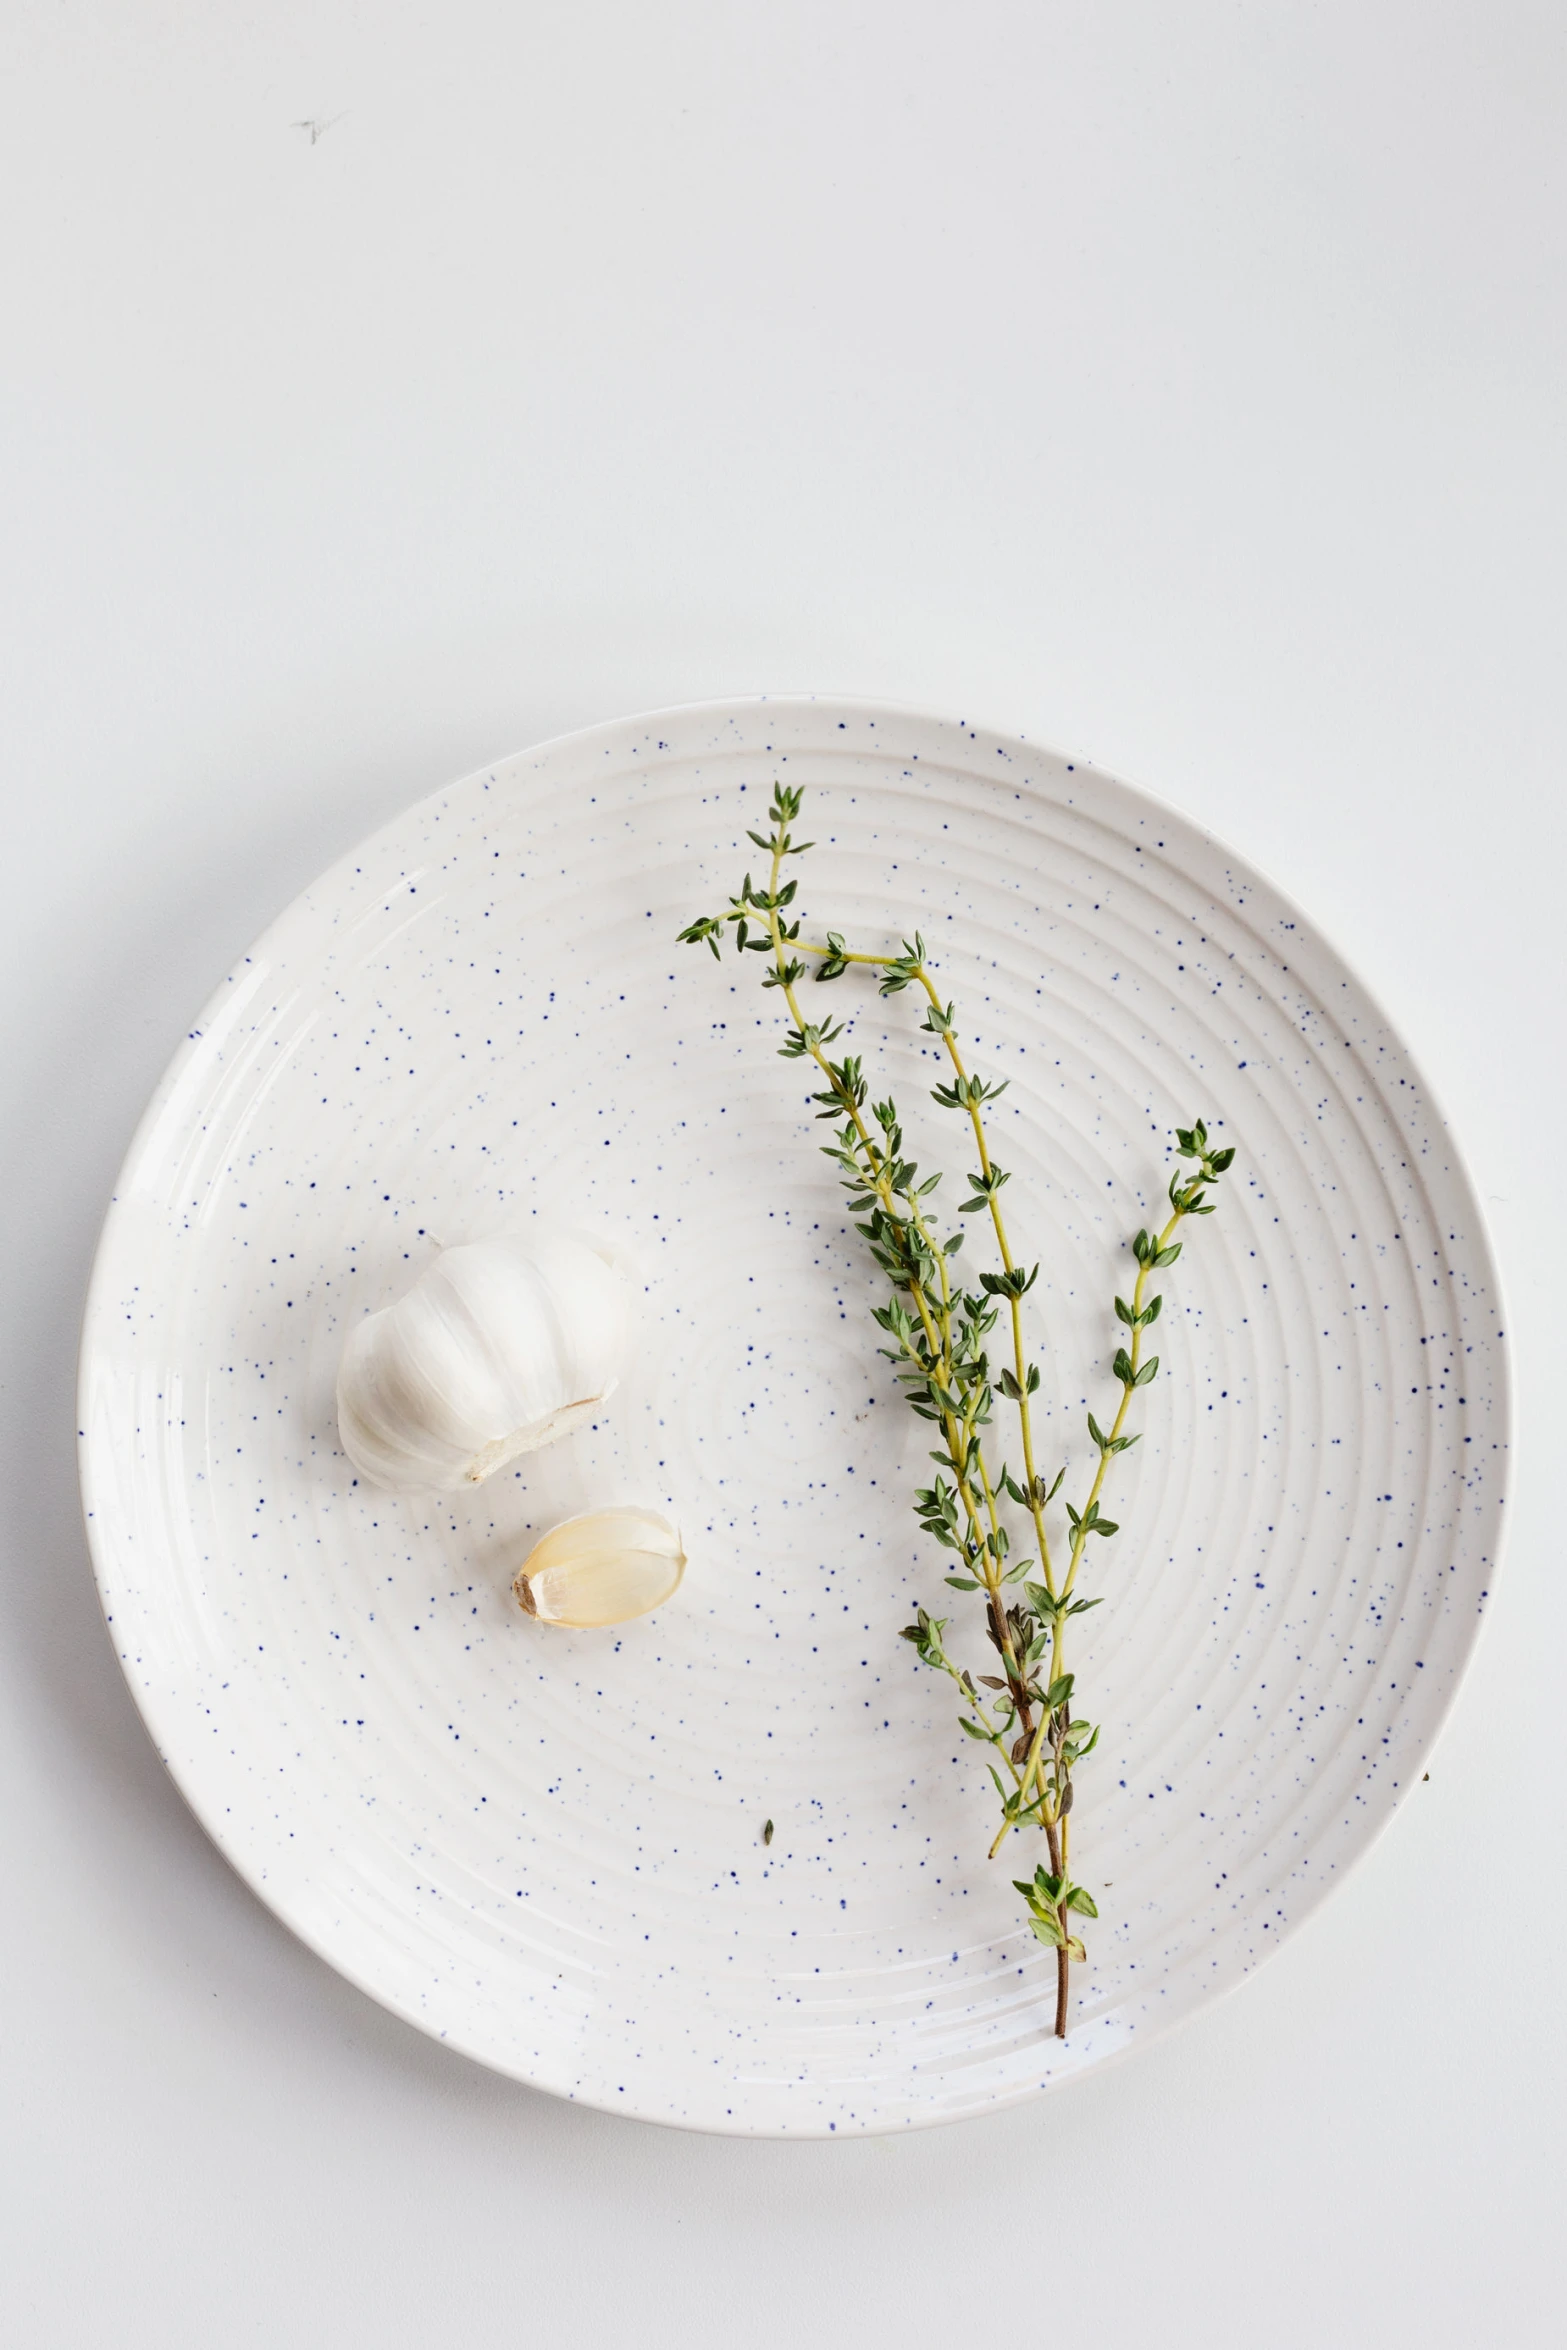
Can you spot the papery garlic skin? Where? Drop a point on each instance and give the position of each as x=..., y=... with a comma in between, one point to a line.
x=500, y=1346
x=601, y=1568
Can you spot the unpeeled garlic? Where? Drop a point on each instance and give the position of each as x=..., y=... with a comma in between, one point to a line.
x=500, y=1346
x=601, y=1568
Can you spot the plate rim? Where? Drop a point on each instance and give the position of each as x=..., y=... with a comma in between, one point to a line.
x=1503, y=1411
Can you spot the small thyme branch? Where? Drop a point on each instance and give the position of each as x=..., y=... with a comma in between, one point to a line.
x=938, y=1330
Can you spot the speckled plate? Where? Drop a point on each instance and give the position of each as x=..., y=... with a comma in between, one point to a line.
x=546, y=1847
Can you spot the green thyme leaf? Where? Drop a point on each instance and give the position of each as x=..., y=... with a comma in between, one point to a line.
x=937, y=1332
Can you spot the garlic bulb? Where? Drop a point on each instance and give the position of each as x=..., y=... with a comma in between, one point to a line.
x=601, y=1568
x=500, y=1346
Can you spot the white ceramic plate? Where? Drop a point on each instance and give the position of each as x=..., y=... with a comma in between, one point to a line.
x=545, y=1847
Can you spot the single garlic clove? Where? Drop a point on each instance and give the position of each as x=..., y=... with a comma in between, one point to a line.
x=601, y=1568
x=500, y=1346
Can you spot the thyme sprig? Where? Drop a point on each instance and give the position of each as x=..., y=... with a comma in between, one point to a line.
x=940, y=1330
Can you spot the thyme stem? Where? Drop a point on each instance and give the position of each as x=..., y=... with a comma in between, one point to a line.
x=998, y=1221
x=941, y=1349
x=942, y=1363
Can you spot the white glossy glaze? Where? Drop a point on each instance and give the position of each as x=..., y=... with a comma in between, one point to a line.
x=545, y=1846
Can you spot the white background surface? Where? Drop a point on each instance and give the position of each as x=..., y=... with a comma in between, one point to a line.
x=1184, y=385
